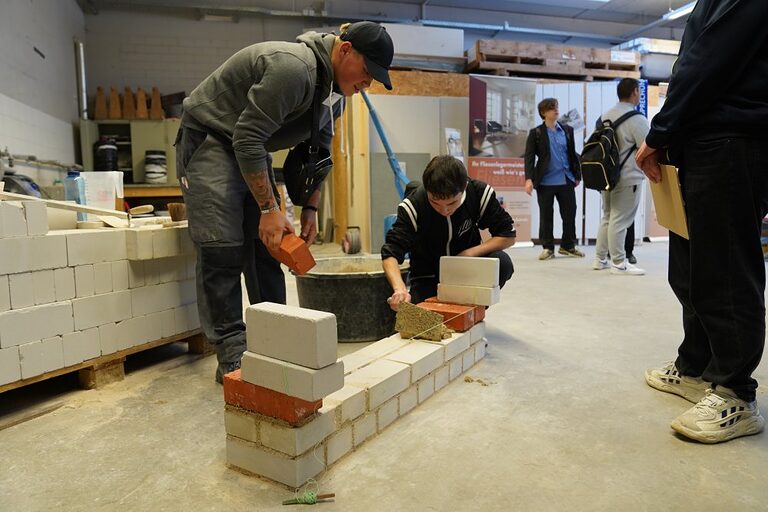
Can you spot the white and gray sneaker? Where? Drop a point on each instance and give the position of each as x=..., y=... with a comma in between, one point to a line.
x=599, y=264
x=669, y=380
x=626, y=269
x=720, y=416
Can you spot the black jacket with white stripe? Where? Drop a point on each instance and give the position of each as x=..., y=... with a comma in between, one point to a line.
x=427, y=235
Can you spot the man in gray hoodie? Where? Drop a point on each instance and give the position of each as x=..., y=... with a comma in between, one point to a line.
x=621, y=202
x=264, y=98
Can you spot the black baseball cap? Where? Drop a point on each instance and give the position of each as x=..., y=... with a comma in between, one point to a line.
x=375, y=45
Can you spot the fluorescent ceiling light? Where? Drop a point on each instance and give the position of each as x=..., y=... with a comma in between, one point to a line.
x=680, y=12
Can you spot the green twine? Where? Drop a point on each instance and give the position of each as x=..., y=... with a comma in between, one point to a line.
x=308, y=498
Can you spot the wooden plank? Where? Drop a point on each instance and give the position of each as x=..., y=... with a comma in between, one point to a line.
x=62, y=205
x=340, y=180
x=102, y=374
x=424, y=83
x=360, y=212
x=151, y=191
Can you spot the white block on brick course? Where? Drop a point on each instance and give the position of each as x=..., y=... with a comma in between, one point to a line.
x=36, y=214
x=182, y=320
x=297, y=440
x=52, y=354
x=372, y=352
x=480, y=349
x=193, y=320
x=126, y=333
x=338, y=445
x=138, y=243
x=18, y=327
x=241, y=423
x=469, y=271
x=31, y=359
x=363, y=428
x=382, y=379
x=44, y=286
x=159, y=297
x=10, y=368
x=165, y=243
x=468, y=359
x=48, y=252
x=456, y=366
x=409, y=399
x=386, y=414
x=64, y=283
x=12, y=222
x=102, y=277
x=101, y=309
x=151, y=273
x=168, y=321
x=468, y=294
x=15, y=255
x=80, y=346
x=85, y=281
x=22, y=290
x=442, y=376
x=5, y=294
x=426, y=387
x=477, y=332
x=297, y=335
x=136, y=274
x=154, y=326
x=305, y=383
x=108, y=338
x=456, y=344
x=120, y=280
x=88, y=246
x=187, y=246
x=349, y=402
x=423, y=358
x=291, y=471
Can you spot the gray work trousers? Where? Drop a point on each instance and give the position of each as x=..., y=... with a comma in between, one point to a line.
x=224, y=225
x=619, y=209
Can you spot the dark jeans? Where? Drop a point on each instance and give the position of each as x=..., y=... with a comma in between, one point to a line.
x=718, y=275
x=629, y=241
x=423, y=288
x=566, y=201
x=224, y=225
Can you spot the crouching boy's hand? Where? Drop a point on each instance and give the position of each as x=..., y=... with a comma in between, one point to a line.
x=397, y=297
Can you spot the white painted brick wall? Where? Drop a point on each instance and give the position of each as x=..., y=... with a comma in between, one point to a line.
x=297, y=335
x=35, y=323
x=469, y=271
x=290, y=379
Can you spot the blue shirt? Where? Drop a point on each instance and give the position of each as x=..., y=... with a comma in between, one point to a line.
x=558, y=170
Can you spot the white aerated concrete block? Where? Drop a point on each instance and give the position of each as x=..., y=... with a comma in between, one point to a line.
x=297, y=335
x=456, y=366
x=36, y=214
x=44, y=286
x=182, y=319
x=469, y=271
x=165, y=243
x=338, y=445
x=22, y=290
x=349, y=402
x=480, y=349
x=12, y=222
x=386, y=414
x=35, y=323
x=372, y=352
x=468, y=359
x=154, y=326
x=159, y=297
x=291, y=379
x=85, y=284
x=126, y=333
x=297, y=440
x=382, y=379
x=102, y=277
x=88, y=246
x=363, y=428
x=409, y=399
x=15, y=256
x=120, y=279
x=468, y=294
x=291, y=471
x=48, y=252
x=80, y=346
x=477, y=332
x=456, y=344
x=61, y=219
x=191, y=267
x=101, y=309
x=426, y=387
x=241, y=423
x=442, y=376
x=193, y=320
x=10, y=367
x=151, y=274
x=168, y=323
x=5, y=294
x=52, y=354
x=136, y=274
x=31, y=359
x=108, y=338
x=138, y=243
x=64, y=283
x=423, y=358
x=187, y=246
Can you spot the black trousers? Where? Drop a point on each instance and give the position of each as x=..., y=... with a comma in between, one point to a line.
x=718, y=275
x=423, y=288
x=566, y=201
x=629, y=241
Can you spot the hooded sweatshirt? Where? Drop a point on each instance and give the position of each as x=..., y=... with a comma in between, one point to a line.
x=260, y=99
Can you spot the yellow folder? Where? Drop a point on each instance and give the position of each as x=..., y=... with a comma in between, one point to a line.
x=668, y=200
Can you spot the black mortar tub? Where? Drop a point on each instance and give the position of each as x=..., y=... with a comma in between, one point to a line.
x=355, y=289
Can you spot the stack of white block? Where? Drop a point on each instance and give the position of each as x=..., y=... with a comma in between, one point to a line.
x=468, y=280
x=383, y=381
x=68, y=296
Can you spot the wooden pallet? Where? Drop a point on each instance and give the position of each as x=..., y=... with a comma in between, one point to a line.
x=102, y=370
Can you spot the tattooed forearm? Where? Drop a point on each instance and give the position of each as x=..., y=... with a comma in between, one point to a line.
x=261, y=188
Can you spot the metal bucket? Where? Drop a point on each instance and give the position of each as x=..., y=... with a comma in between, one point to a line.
x=355, y=289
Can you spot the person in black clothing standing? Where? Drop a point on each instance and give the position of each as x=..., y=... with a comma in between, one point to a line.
x=714, y=128
x=553, y=168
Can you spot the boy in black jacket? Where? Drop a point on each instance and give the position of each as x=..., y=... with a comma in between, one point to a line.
x=443, y=217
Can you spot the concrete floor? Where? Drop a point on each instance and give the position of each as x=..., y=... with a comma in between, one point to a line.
x=567, y=423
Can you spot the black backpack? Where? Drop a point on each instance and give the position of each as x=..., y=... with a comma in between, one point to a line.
x=600, y=166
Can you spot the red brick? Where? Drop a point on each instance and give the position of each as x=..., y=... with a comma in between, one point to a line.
x=457, y=317
x=264, y=401
x=295, y=254
x=479, y=310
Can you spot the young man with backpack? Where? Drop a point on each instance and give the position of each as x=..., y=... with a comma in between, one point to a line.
x=620, y=201
x=552, y=167
x=443, y=216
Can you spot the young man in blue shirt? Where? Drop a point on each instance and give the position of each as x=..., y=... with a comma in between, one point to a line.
x=553, y=168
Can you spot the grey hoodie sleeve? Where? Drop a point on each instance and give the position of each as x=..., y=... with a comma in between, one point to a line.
x=284, y=85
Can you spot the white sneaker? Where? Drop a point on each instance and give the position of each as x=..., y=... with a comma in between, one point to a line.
x=599, y=264
x=627, y=269
x=669, y=380
x=719, y=416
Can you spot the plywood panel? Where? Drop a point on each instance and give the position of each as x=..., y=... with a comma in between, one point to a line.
x=422, y=83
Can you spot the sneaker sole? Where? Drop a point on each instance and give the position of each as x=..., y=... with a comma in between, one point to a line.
x=547, y=258
x=570, y=255
x=750, y=427
x=692, y=395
